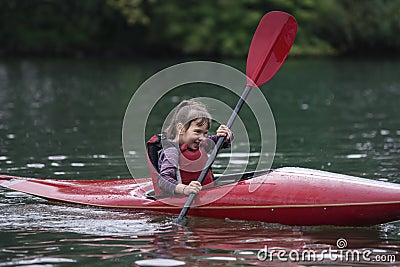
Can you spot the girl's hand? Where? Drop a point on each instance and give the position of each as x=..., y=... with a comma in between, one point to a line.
x=223, y=130
x=193, y=188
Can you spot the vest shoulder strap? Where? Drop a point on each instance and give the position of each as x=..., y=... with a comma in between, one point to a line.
x=154, y=146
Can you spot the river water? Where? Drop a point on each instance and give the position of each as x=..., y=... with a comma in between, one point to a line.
x=62, y=119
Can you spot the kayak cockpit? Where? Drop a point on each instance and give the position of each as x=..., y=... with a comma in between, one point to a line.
x=219, y=180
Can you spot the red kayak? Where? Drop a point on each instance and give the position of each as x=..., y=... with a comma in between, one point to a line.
x=291, y=196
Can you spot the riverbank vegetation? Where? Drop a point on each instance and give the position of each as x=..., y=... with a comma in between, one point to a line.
x=210, y=28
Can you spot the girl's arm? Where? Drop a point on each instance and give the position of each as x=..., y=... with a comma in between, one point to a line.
x=167, y=164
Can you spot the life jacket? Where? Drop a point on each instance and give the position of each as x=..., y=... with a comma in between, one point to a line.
x=191, y=162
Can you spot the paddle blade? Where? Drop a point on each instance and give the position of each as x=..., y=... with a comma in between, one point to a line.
x=271, y=43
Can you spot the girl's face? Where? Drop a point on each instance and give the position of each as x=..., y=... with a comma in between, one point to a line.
x=193, y=135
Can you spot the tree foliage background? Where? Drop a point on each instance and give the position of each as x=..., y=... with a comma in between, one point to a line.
x=217, y=28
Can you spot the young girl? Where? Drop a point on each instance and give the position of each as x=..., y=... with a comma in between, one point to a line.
x=179, y=170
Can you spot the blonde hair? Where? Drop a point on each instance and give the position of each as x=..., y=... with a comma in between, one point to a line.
x=186, y=112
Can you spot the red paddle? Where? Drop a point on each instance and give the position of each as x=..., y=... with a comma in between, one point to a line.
x=268, y=50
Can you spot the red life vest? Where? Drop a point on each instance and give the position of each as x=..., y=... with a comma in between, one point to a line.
x=191, y=163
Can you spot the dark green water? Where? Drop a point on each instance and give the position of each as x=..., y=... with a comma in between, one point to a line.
x=63, y=119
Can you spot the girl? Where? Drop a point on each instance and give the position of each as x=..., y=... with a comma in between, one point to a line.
x=179, y=170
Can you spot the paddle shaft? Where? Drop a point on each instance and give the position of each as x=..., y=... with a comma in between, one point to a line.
x=214, y=152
